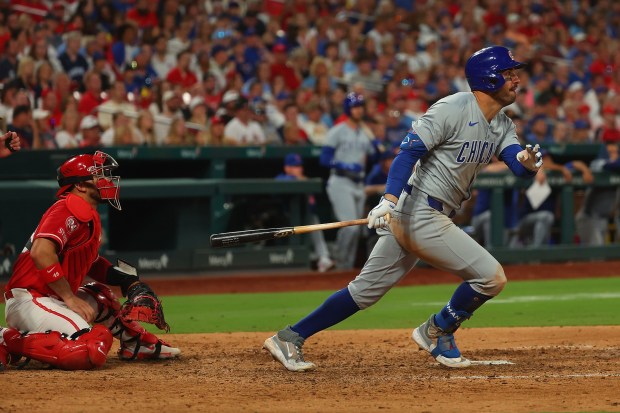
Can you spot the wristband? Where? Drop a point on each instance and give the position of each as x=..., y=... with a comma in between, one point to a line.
x=52, y=273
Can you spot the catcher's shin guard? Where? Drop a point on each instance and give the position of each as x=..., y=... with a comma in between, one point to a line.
x=84, y=350
x=139, y=344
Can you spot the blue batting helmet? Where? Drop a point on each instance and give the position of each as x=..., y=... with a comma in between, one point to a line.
x=483, y=68
x=352, y=100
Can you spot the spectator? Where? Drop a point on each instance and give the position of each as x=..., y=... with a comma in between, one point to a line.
x=181, y=75
x=197, y=123
x=600, y=204
x=9, y=61
x=259, y=114
x=72, y=61
x=313, y=124
x=125, y=47
x=91, y=132
x=91, y=99
x=68, y=135
x=162, y=61
x=117, y=102
x=292, y=133
x=145, y=127
x=142, y=16
x=220, y=66
x=171, y=108
x=216, y=131
x=178, y=135
x=42, y=129
x=281, y=67
x=609, y=132
x=22, y=124
x=121, y=132
x=369, y=79
x=293, y=171
x=242, y=130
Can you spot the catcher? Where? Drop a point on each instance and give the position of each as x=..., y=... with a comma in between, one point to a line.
x=55, y=319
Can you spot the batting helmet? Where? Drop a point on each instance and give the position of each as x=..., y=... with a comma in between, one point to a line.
x=483, y=68
x=81, y=168
x=352, y=100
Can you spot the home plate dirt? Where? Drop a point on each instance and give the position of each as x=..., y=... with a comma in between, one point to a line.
x=560, y=369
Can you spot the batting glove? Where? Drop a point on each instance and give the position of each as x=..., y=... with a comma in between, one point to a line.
x=530, y=158
x=379, y=216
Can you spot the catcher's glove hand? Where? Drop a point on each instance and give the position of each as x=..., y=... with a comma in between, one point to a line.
x=143, y=305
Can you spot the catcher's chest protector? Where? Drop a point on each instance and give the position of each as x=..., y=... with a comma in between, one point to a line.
x=76, y=261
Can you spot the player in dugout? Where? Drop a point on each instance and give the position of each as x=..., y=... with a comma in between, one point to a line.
x=55, y=319
x=428, y=181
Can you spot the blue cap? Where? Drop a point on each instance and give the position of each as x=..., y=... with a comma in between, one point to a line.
x=293, y=159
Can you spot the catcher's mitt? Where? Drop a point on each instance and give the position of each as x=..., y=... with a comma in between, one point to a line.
x=143, y=305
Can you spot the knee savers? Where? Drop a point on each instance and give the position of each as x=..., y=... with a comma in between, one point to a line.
x=107, y=303
x=86, y=351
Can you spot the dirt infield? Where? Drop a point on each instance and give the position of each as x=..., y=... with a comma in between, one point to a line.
x=559, y=369
x=555, y=369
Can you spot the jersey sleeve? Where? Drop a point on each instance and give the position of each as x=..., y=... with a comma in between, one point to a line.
x=432, y=127
x=57, y=225
x=332, y=138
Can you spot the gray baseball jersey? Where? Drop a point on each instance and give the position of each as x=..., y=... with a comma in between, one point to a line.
x=468, y=143
x=460, y=143
x=351, y=146
x=346, y=193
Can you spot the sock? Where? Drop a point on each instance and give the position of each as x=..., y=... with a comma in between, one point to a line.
x=461, y=306
x=338, y=307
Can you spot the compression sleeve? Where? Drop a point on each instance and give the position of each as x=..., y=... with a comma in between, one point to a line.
x=411, y=149
x=327, y=156
x=509, y=156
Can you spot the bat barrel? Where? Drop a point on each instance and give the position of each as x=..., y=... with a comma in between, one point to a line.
x=230, y=239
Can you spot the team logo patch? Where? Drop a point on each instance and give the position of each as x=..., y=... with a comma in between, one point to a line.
x=71, y=224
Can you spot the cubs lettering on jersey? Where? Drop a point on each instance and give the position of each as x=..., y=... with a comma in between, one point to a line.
x=476, y=152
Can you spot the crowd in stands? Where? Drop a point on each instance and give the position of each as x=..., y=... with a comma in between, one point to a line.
x=275, y=72
x=89, y=73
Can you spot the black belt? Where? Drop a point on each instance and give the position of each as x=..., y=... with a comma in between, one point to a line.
x=432, y=202
x=355, y=178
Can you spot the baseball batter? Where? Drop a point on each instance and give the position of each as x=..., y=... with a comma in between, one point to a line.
x=48, y=310
x=428, y=180
x=346, y=149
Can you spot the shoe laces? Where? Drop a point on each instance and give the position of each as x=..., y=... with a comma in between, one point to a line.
x=300, y=353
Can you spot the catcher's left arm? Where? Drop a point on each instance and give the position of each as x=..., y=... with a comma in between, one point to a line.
x=142, y=303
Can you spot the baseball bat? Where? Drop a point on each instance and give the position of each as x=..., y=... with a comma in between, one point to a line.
x=230, y=239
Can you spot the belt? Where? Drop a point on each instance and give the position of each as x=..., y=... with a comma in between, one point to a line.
x=432, y=202
x=349, y=175
x=8, y=295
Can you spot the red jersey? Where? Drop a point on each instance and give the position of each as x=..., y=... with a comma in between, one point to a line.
x=74, y=225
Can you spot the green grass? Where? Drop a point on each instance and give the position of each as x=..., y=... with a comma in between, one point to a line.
x=572, y=302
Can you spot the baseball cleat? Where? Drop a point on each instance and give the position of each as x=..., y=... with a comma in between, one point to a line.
x=289, y=353
x=158, y=351
x=439, y=344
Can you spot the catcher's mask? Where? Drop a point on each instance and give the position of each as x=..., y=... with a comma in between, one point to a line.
x=86, y=167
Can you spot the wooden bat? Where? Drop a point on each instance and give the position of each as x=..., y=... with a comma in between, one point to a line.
x=230, y=239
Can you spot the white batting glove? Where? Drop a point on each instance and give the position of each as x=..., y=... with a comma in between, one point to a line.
x=530, y=158
x=379, y=216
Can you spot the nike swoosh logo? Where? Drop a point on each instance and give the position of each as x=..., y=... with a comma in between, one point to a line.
x=290, y=354
x=100, y=349
x=50, y=270
x=473, y=123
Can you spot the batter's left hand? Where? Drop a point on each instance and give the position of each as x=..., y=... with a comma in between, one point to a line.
x=530, y=157
x=379, y=216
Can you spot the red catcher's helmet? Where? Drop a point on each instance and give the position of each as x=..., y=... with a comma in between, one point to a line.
x=85, y=167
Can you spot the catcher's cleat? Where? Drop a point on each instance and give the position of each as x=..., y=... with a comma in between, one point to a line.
x=439, y=344
x=285, y=347
x=157, y=351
